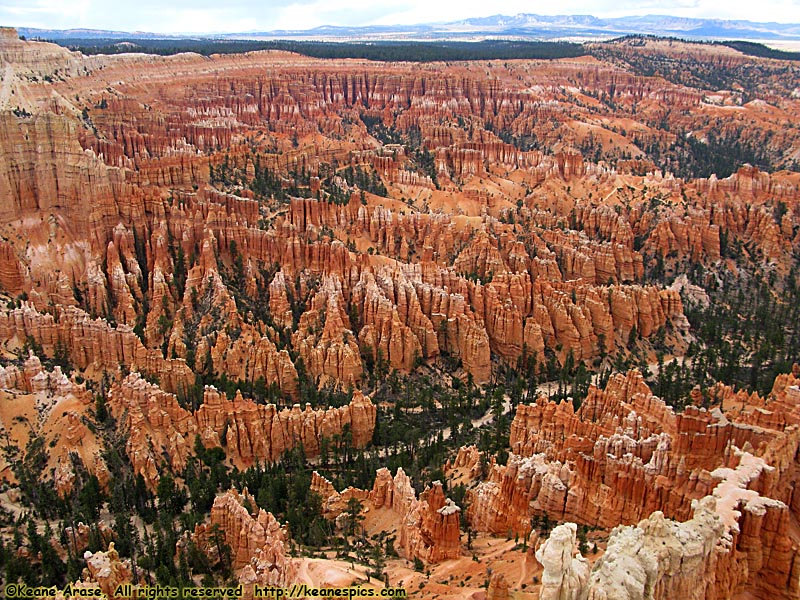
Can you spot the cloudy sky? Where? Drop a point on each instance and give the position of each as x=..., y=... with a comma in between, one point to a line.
x=172, y=16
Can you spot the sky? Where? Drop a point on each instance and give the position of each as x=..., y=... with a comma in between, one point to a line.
x=217, y=16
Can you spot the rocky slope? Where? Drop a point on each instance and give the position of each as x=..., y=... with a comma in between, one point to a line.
x=256, y=540
x=427, y=527
x=37, y=404
x=158, y=427
x=536, y=255
x=624, y=456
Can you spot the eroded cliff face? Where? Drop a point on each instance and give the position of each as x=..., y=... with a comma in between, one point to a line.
x=564, y=575
x=428, y=527
x=704, y=557
x=90, y=344
x=257, y=542
x=624, y=456
x=520, y=254
x=44, y=409
x=157, y=426
x=273, y=223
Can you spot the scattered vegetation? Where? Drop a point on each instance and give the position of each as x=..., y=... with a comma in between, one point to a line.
x=380, y=51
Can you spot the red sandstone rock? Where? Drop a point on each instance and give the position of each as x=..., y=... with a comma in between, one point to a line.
x=256, y=539
x=144, y=179
x=498, y=588
x=327, y=345
x=625, y=455
x=98, y=205
x=106, y=570
x=157, y=425
x=467, y=460
x=428, y=527
x=91, y=343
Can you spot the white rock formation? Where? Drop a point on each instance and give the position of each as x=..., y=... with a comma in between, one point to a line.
x=660, y=558
x=565, y=575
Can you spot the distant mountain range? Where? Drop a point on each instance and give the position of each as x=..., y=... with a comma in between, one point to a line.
x=521, y=26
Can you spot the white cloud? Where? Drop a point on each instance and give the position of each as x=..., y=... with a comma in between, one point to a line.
x=330, y=12
x=55, y=12
x=205, y=21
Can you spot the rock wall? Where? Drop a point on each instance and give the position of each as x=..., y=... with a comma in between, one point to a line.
x=249, y=432
x=707, y=556
x=60, y=416
x=428, y=527
x=257, y=541
x=91, y=343
x=624, y=455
